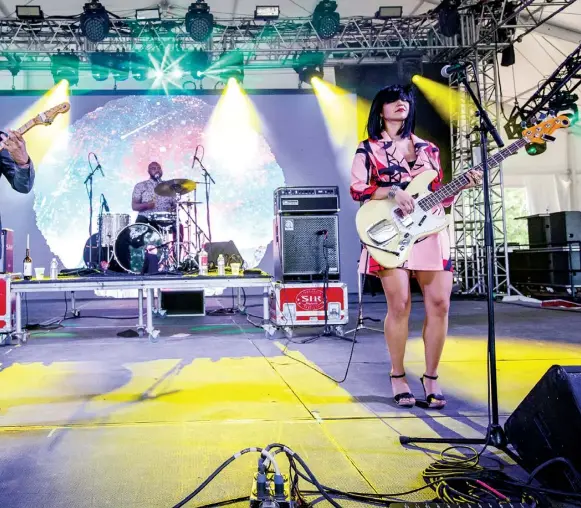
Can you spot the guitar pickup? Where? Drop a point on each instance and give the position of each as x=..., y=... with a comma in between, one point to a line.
x=405, y=220
x=382, y=232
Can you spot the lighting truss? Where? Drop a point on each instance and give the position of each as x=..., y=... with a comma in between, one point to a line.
x=565, y=79
x=360, y=40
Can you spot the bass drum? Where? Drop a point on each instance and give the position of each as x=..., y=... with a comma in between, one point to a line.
x=132, y=244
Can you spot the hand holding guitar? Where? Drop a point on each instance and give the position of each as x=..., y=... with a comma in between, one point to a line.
x=475, y=178
x=16, y=146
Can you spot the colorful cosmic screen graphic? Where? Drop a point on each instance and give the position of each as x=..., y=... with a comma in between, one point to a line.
x=128, y=133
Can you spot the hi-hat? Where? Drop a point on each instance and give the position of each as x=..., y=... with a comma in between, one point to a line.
x=174, y=187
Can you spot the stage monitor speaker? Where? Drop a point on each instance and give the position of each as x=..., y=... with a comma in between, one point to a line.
x=546, y=425
x=227, y=249
x=565, y=227
x=299, y=247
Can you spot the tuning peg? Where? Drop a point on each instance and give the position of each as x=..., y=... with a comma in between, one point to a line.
x=542, y=116
x=523, y=124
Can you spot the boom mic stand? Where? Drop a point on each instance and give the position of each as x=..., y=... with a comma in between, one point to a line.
x=208, y=180
x=495, y=435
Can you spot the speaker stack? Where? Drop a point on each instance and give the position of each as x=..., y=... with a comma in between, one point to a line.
x=553, y=256
x=306, y=234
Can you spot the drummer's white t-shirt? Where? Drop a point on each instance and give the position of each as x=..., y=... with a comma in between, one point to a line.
x=144, y=193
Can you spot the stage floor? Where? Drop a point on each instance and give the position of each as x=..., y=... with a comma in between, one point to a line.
x=91, y=419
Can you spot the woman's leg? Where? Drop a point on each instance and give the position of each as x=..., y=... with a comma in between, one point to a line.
x=396, y=285
x=436, y=288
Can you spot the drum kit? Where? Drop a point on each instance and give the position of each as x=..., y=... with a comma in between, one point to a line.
x=131, y=246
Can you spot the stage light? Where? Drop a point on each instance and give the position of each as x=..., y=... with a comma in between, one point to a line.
x=448, y=17
x=389, y=12
x=196, y=62
x=409, y=63
x=230, y=65
x=536, y=148
x=508, y=56
x=267, y=12
x=100, y=65
x=120, y=65
x=199, y=21
x=148, y=14
x=65, y=66
x=326, y=21
x=140, y=66
x=29, y=12
x=94, y=22
x=309, y=65
x=415, y=79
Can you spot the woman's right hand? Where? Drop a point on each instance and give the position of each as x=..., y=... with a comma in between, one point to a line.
x=405, y=201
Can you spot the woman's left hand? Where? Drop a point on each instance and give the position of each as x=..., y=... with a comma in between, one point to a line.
x=16, y=146
x=475, y=178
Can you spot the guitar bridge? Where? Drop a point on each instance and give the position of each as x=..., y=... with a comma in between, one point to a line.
x=382, y=232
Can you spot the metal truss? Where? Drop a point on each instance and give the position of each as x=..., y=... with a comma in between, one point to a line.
x=468, y=211
x=550, y=95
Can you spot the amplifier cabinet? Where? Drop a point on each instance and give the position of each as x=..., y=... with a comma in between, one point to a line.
x=301, y=247
x=303, y=304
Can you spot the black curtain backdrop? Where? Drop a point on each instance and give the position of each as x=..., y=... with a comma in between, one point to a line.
x=367, y=80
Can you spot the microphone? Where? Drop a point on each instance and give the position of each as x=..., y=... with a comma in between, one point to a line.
x=98, y=165
x=105, y=204
x=157, y=177
x=448, y=70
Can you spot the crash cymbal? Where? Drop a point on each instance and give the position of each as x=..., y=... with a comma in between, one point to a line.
x=174, y=187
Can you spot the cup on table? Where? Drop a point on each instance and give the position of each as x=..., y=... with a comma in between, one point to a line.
x=235, y=267
x=39, y=272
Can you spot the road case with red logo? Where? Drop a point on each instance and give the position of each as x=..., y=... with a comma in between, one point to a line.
x=303, y=304
x=6, y=309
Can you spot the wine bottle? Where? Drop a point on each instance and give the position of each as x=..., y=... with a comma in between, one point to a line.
x=27, y=270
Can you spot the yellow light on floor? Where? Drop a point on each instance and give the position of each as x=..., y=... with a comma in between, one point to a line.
x=345, y=113
x=232, y=133
x=40, y=139
x=448, y=102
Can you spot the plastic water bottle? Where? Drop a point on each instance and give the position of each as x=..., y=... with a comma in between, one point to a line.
x=54, y=269
x=221, y=265
x=203, y=262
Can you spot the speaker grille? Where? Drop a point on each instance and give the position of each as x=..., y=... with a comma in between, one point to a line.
x=302, y=247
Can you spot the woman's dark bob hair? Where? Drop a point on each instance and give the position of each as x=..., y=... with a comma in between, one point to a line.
x=387, y=95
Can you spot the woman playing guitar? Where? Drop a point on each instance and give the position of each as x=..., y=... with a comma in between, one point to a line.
x=383, y=166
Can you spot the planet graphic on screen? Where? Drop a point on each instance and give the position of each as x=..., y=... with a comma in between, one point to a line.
x=127, y=133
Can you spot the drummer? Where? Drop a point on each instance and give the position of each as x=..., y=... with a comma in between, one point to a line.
x=146, y=201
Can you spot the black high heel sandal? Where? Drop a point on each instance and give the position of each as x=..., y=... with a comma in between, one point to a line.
x=432, y=396
x=404, y=395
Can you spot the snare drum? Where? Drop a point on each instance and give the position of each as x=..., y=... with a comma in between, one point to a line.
x=133, y=242
x=163, y=218
x=111, y=226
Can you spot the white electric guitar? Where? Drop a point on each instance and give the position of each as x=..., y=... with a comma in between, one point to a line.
x=389, y=235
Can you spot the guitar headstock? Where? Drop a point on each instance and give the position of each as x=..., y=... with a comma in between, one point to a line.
x=542, y=132
x=47, y=117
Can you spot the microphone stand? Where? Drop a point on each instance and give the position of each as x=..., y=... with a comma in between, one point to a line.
x=495, y=435
x=207, y=181
x=89, y=181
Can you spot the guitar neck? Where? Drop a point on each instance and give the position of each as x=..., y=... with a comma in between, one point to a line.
x=27, y=126
x=456, y=185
